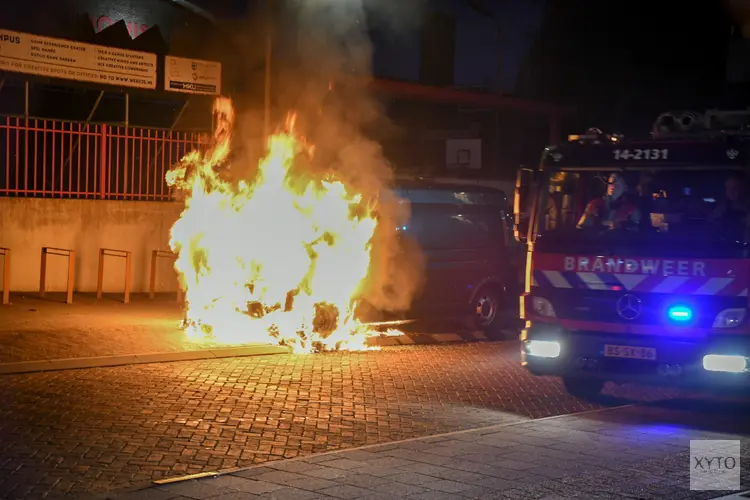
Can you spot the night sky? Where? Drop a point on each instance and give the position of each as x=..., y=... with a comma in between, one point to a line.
x=619, y=64
x=622, y=64
x=517, y=22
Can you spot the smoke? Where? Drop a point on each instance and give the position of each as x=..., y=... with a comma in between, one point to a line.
x=321, y=71
x=325, y=78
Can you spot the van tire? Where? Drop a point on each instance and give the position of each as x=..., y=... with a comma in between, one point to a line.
x=588, y=389
x=487, y=307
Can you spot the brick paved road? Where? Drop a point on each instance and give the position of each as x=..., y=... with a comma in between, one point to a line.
x=99, y=429
x=637, y=452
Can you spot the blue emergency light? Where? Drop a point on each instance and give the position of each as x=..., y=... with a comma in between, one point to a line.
x=680, y=314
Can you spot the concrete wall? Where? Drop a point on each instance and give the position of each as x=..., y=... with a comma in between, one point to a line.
x=28, y=224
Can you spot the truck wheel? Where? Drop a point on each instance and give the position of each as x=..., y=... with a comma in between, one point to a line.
x=486, y=308
x=583, y=388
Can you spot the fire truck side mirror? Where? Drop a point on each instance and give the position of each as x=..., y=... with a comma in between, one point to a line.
x=521, y=204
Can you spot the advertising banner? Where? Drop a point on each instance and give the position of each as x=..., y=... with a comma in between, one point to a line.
x=58, y=58
x=192, y=76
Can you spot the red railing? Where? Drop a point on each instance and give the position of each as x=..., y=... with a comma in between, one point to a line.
x=51, y=158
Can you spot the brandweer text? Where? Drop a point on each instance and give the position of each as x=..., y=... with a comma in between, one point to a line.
x=642, y=266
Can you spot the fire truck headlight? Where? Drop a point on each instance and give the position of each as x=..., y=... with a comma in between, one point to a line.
x=543, y=348
x=729, y=318
x=542, y=307
x=724, y=363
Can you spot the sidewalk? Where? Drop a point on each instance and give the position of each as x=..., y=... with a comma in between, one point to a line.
x=42, y=334
x=33, y=329
x=637, y=452
x=41, y=330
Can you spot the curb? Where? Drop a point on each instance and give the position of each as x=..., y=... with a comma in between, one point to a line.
x=483, y=430
x=487, y=429
x=426, y=338
x=160, y=484
x=441, y=338
x=138, y=359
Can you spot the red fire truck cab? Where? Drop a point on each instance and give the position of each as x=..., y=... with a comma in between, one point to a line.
x=638, y=263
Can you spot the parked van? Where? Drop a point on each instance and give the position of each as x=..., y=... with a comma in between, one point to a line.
x=464, y=232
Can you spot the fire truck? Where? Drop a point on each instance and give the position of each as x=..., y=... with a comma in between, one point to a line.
x=638, y=256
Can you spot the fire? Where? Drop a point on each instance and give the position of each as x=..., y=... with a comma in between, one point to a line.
x=280, y=257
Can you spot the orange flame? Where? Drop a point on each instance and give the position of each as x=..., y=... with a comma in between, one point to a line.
x=277, y=258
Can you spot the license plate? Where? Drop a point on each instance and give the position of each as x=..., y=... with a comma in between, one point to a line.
x=630, y=352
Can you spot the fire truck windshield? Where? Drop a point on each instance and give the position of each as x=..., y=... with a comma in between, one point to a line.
x=698, y=212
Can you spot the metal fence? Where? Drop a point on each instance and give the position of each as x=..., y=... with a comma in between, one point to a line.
x=61, y=159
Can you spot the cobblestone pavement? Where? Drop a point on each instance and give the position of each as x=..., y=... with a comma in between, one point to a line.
x=637, y=452
x=101, y=429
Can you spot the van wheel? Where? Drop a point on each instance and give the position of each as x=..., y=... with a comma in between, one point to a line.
x=583, y=388
x=487, y=306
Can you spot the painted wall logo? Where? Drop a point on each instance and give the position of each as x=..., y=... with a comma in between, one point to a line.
x=715, y=465
x=102, y=22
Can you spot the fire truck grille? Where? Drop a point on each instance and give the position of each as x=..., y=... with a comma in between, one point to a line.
x=596, y=305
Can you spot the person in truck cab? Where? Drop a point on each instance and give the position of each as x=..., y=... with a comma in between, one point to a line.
x=560, y=202
x=644, y=200
x=735, y=207
x=732, y=214
x=617, y=209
